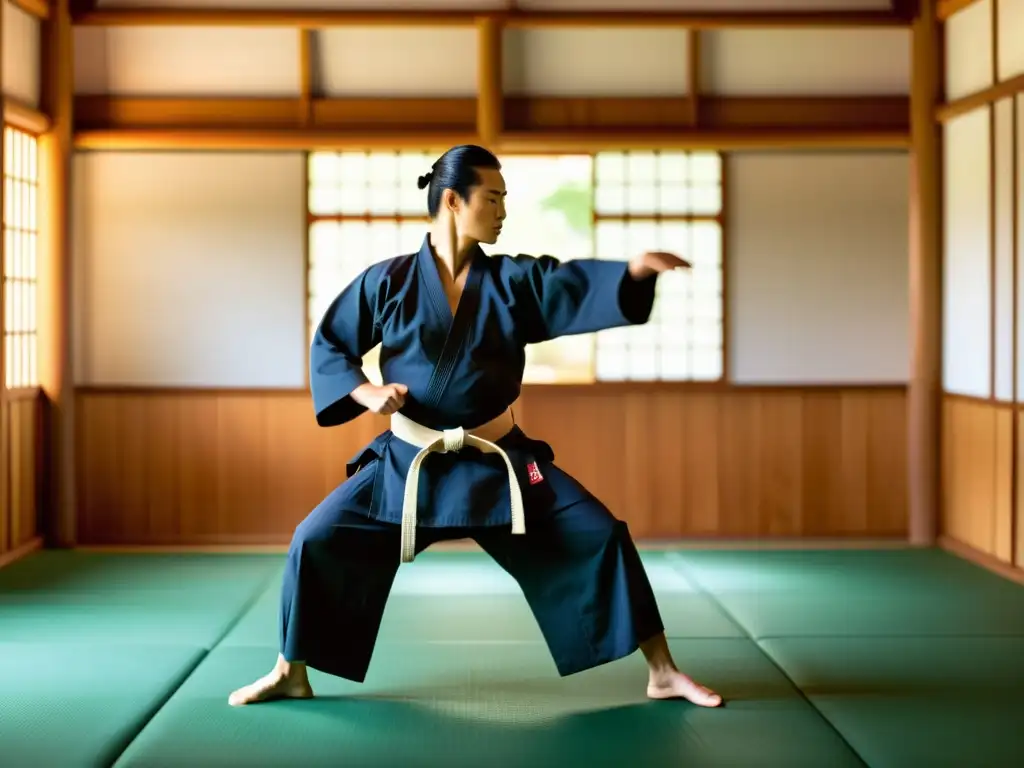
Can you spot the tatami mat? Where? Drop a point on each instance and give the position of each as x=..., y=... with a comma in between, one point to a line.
x=906, y=702
x=473, y=704
x=887, y=658
x=71, y=597
x=857, y=593
x=77, y=705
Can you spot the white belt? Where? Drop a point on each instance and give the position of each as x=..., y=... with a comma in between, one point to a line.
x=433, y=441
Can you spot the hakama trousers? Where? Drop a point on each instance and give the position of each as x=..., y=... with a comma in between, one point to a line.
x=578, y=568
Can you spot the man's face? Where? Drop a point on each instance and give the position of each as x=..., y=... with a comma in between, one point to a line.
x=480, y=218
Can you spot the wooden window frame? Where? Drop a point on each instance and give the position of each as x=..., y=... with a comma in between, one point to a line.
x=721, y=218
x=21, y=390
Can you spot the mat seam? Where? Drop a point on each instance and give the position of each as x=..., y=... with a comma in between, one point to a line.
x=679, y=563
x=203, y=655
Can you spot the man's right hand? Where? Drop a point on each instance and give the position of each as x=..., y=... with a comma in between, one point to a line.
x=383, y=400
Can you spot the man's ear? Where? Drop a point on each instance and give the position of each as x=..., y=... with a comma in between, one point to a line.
x=451, y=200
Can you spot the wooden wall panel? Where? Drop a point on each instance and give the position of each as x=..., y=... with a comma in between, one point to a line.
x=981, y=434
x=976, y=466
x=18, y=515
x=193, y=468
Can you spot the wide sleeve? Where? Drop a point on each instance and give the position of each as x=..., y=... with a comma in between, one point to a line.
x=582, y=296
x=345, y=334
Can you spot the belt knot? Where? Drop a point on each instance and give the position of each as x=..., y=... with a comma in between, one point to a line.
x=454, y=439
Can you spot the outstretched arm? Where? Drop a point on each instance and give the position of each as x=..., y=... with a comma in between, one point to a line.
x=587, y=295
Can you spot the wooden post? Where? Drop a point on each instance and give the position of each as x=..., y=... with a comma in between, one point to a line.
x=489, y=107
x=924, y=400
x=54, y=302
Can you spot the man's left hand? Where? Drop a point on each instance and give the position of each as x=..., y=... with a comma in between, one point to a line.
x=655, y=262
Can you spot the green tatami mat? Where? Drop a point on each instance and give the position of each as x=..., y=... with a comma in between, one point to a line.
x=916, y=702
x=69, y=597
x=836, y=593
x=465, y=596
x=492, y=704
x=66, y=706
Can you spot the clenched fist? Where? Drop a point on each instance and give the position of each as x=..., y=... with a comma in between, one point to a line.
x=654, y=262
x=383, y=400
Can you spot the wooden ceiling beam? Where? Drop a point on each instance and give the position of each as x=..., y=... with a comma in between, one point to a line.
x=520, y=113
x=693, y=74
x=306, y=68
x=564, y=142
x=543, y=124
x=142, y=17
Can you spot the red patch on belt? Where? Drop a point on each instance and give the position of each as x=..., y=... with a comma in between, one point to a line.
x=534, y=473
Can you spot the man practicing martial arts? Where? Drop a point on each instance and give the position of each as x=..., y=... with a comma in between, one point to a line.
x=452, y=323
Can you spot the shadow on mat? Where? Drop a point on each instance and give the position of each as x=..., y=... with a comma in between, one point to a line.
x=381, y=729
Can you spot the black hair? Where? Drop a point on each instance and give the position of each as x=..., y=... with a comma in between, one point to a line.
x=456, y=170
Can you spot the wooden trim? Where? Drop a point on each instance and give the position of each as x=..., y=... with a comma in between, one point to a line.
x=23, y=393
x=703, y=138
x=985, y=560
x=24, y=117
x=923, y=400
x=468, y=545
x=26, y=549
x=994, y=72
x=804, y=543
x=978, y=400
x=1014, y=256
x=179, y=17
x=946, y=8
x=275, y=547
x=250, y=139
x=992, y=262
x=5, y=453
x=58, y=505
x=284, y=139
x=38, y=8
x=990, y=95
x=516, y=114
x=597, y=387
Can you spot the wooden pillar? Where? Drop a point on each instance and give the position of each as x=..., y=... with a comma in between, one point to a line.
x=54, y=301
x=489, y=98
x=6, y=514
x=925, y=392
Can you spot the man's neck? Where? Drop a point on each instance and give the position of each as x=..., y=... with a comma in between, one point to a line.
x=453, y=254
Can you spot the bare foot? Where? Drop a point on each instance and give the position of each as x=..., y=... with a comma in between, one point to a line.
x=673, y=685
x=285, y=681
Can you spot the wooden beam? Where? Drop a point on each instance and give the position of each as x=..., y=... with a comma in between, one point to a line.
x=627, y=117
x=269, y=139
x=178, y=17
x=305, y=76
x=5, y=432
x=54, y=288
x=925, y=390
x=263, y=139
x=719, y=139
x=489, y=103
x=946, y=8
x=972, y=101
x=25, y=117
x=38, y=8
x=693, y=75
